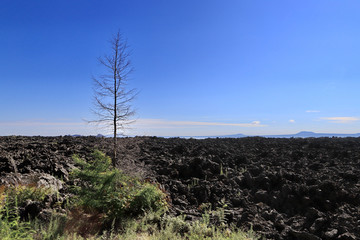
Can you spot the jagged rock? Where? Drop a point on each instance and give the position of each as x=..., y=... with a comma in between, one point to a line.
x=301, y=235
x=331, y=234
x=31, y=209
x=40, y=180
x=347, y=236
x=49, y=182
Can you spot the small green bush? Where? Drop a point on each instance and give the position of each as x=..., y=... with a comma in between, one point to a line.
x=149, y=198
x=102, y=188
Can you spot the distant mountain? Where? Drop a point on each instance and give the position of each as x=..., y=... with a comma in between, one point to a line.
x=306, y=134
x=303, y=134
x=235, y=136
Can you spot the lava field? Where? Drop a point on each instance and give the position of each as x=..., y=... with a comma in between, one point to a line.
x=297, y=188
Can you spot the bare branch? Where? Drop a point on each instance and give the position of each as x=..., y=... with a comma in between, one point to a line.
x=111, y=97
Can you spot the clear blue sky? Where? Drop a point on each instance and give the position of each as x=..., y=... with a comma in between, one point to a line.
x=204, y=67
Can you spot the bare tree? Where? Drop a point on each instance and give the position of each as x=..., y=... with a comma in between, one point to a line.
x=111, y=97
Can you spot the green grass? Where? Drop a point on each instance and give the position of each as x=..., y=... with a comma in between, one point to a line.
x=11, y=228
x=170, y=228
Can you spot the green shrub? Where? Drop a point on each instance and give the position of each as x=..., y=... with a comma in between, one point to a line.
x=149, y=198
x=102, y=188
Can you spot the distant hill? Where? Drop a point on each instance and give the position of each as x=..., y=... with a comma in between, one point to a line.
x=303, y=134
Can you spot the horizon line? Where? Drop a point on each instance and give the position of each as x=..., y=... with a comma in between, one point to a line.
x=186, y=136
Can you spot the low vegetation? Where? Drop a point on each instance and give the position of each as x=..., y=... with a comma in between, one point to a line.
x=107, y=204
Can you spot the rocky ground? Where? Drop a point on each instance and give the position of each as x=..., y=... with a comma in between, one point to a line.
x=283, y=188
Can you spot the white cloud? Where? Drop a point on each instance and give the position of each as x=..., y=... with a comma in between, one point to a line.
x=154, y=127
x=292, y=121
x=341, y=119
x=39, y=123
x=312, y=111
x=45, y=128
x=162, y=123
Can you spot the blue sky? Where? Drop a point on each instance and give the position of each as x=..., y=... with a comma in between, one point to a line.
x=204, y=67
